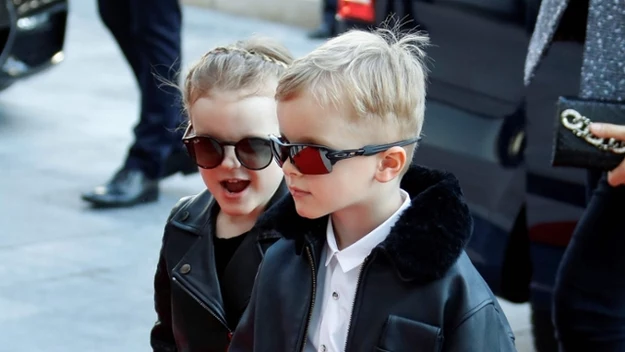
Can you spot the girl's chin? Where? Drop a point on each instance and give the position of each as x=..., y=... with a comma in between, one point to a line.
x=235, y=206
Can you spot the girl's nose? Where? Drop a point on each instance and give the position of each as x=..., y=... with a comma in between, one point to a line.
x=230, y=159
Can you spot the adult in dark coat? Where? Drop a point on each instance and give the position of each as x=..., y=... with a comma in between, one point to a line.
x=589, y=297
x=148, y=33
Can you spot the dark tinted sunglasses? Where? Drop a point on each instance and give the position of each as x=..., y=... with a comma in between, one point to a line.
x=312, y=159
x=253, y=153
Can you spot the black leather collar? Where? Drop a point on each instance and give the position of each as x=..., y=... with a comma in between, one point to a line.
x=425, y=242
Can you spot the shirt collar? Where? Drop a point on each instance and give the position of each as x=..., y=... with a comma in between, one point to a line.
x=354, y=255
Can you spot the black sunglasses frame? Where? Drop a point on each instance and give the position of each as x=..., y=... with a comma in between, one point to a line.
x=333, y=155
x=189, y=139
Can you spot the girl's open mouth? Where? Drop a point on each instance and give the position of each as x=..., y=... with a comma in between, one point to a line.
x=235, y=186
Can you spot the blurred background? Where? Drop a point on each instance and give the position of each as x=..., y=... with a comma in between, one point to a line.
x=73, y=278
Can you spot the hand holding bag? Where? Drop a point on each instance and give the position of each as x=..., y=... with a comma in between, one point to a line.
x=575, y=145
x=602, y=94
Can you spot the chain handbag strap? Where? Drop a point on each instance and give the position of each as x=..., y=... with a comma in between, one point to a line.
x=580, y=126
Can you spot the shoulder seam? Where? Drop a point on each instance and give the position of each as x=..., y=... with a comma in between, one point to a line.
x=473, y=311
x=181, y=204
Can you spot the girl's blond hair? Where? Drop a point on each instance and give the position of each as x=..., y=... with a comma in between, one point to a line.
x=245, y=65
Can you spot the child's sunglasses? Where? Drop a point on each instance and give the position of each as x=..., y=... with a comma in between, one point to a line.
x=312, y=159
x=254, y=153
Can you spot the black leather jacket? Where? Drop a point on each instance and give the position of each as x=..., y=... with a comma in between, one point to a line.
x=417, y=290
x=188, y=294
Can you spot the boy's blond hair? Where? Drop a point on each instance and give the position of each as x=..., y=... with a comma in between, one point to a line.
x=247, y=65
x=379, y=77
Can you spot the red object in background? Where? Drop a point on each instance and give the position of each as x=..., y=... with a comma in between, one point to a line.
x=555, y=233
x=359, y=10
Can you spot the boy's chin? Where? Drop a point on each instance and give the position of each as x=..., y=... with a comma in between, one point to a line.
x=309, y=212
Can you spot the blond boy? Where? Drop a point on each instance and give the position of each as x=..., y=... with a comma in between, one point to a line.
x=373, y=252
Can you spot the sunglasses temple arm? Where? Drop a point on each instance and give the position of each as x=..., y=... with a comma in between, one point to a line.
x=367, y=151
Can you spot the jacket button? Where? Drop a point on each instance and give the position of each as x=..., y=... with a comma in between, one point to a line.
x=184, y=216
x=185, y=268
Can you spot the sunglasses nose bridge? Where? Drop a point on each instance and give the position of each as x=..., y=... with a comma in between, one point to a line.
x=289, y=168
x=230, y=159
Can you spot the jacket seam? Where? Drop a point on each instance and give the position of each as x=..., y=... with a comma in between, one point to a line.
x=183, y=204
x=174, y=211
x=472, y=312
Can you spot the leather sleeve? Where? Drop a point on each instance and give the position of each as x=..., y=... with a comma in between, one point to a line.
x=486, y=329
x=162, y=334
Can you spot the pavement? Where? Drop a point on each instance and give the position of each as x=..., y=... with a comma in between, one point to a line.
x=73, y=278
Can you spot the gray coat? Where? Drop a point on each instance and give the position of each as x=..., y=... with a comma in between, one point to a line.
x=602, y=74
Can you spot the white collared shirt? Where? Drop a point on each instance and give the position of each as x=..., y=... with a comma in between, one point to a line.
x=338, y=280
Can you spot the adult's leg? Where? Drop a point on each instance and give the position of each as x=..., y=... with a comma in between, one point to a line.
x=327, y=28
x=117, y=16
x=148, y=33
x=157, y=29
x=329, y=14
x=589, y=298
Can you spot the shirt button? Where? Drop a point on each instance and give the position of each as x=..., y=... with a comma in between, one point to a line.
x=323, y=348
x=335, y=295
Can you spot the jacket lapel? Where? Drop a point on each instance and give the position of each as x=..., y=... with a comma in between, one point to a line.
x=196, y=273
x=549, y=17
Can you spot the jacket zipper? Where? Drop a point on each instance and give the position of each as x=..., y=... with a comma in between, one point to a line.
x=182, y=285
x=351, y=315
x=314, y=293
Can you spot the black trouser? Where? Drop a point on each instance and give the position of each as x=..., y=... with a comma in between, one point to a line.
x=329, y=14
x=149, y=35
x=589, y=306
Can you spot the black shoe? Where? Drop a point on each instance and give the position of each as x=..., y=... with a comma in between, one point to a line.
x=128, y=187
x=322, y=32
x=179, y=161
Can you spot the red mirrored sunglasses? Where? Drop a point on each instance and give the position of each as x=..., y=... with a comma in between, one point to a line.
x=313, y=159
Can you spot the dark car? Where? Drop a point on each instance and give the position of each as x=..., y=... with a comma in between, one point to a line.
x=495, y=135
x=32, y=34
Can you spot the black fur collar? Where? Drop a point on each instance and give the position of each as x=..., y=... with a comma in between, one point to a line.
x=425, y=242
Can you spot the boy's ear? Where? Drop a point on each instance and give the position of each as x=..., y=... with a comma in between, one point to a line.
x=390, y=164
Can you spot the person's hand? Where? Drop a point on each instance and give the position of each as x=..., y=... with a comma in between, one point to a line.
x=616, y=177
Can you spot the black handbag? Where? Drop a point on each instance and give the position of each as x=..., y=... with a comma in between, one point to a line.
x=601, y=95
x=575, y=146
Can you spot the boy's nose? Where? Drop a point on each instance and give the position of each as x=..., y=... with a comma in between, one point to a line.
x=230, y=159
x=289, y=169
